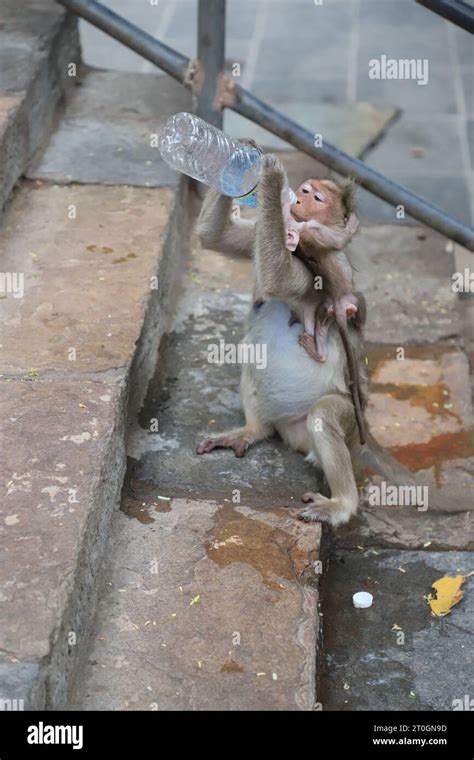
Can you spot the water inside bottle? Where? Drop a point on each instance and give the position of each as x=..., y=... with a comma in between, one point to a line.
x=240, y=174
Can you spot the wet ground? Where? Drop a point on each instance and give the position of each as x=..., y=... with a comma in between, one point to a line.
x=192, y=398
x=395, y=655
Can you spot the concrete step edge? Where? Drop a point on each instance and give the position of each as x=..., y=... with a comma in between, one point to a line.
x=45, y=683
x=27, y=116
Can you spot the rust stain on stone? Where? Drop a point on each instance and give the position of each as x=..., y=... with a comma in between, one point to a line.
x=441, y=448
x=236, y=538
x=379, y=354
x=231, y=667
x=432, y=398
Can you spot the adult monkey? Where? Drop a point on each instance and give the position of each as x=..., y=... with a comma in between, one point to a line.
x=306, y=402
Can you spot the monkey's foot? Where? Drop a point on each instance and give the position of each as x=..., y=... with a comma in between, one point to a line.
x=320, y=509
x=308, y=343
x=238, y=444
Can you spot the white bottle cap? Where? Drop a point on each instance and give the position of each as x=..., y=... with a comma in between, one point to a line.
x=362, y=599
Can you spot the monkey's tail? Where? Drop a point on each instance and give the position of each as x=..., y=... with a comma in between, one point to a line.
x=341, y=321
x=372, y=455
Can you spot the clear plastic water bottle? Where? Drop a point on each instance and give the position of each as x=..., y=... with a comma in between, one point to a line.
x=198, y=149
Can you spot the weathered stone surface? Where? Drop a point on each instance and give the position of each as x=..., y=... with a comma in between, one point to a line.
x=87, y=281
x=105, y=135
x=420, y=411
x=99, y=272
x=38, y=40
x=407, y=528
x=22, y=685
x=208, y=608
x=65, y=480
x=60, y=487
x=422, y=397
x=395, y=655
x=406, y=276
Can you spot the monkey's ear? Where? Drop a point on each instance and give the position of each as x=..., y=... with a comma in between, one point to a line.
x=348, y=191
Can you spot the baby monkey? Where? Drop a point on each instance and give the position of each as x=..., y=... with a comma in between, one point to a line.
x=320, y=223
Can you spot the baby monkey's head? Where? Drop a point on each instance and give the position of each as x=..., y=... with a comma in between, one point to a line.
x=324, y=200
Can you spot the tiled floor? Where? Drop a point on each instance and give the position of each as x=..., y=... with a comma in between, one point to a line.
x=295, y=50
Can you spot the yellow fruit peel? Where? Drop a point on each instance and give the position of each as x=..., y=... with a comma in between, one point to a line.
x=448, y=593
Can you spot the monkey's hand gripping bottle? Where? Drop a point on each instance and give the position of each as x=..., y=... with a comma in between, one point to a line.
x=196, y=148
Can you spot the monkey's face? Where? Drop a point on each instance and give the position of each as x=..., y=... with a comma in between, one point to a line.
x=315, y=200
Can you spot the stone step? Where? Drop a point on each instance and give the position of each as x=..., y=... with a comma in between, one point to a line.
x=207, y=605
x=38, y=42
x=89, y=285
x=105, y=135
x=78, y=349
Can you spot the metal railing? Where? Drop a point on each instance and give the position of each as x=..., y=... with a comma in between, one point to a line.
x=202, y=77
x=456, y=11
